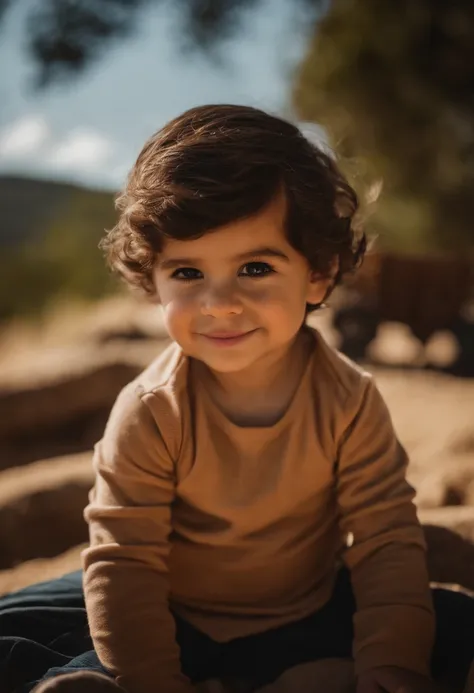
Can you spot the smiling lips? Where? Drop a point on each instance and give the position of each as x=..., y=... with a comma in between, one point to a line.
x=227, y=338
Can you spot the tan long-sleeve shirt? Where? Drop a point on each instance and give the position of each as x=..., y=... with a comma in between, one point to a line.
x=240, y=529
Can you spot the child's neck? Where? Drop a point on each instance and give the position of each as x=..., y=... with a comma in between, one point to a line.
x=262, y=394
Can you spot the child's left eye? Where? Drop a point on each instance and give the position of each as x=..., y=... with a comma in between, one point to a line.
x=186, y=274
x=256, y=269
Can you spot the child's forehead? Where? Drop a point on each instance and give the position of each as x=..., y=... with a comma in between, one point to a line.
x=265, y=230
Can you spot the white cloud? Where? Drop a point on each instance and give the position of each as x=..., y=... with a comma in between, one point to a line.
x=23, y=137
x=83, y=155
x=82, y=149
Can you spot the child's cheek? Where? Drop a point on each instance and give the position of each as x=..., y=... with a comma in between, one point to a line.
x=261, y=294
x=271, y=297
x=281, y=309
x=178, y=315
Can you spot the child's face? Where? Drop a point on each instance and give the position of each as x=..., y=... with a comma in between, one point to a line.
x=238, y=294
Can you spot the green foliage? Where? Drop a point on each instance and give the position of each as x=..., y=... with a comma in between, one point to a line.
x=392, y=82
x=65, y=36
x=63, y=261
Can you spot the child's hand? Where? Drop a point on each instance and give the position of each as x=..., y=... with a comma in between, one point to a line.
x=395, y=680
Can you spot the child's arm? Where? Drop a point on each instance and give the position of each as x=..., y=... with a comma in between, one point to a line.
x=394, y=622
x=125, y=569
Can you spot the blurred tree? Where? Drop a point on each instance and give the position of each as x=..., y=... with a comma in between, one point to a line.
x=392, y=82
x=4, y=4
x=65, y=36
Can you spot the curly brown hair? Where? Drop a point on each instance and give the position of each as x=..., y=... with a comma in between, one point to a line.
x=217, y=164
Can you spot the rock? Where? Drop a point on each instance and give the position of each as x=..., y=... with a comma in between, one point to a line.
x=41, y=508
x=449, y=534
x=449, y=485
x=62, y=407
x=433, y=417
x=130, y=318
x=458, y=519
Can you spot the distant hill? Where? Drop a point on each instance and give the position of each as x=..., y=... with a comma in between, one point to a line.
x=49, y=236
x=28, y=207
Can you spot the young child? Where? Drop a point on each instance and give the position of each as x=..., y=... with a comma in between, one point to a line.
x=250, y=510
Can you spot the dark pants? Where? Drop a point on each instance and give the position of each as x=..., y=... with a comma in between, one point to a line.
x=44, y=632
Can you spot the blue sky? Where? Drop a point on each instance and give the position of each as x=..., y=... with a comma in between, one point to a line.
x=91, y=129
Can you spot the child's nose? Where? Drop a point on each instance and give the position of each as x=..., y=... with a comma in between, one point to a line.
x=221, y=302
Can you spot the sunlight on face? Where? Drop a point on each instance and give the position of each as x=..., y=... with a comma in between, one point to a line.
x=237, y=294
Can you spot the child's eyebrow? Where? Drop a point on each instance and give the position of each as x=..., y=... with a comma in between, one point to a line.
x=265, y=251
x=173, y=263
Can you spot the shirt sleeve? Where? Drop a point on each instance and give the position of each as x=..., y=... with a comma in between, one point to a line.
x=385, y=547
x=125, y=567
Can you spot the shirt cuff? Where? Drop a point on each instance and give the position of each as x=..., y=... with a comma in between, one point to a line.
x=399, y=635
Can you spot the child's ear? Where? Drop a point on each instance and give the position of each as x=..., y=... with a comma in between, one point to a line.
x=320, y=284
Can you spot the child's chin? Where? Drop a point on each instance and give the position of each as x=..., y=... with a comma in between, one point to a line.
x=223, y=365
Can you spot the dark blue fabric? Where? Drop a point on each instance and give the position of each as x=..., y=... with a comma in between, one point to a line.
x=44, y=632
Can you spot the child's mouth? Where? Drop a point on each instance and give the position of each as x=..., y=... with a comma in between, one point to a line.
x=227, y=338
